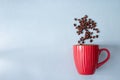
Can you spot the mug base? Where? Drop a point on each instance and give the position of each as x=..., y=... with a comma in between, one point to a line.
x=87, y=73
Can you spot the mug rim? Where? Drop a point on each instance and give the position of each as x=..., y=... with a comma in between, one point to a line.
x=86, y=45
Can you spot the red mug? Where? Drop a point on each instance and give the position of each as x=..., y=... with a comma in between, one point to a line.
x=86, y=58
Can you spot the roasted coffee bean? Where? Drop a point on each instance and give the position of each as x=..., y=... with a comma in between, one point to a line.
x=92, y=22
x=75, y=19
x=83, y=42
x=94, y=37
x=94, y=29
x=79, y=20
x=86, y=29
x=98, y=31
x=86, y=26
x=94, y=25
x=86, y=16
x=89, y=26
x=77, y=31
x=75, y=24
x=91, y=40
x=80, y=29
x=81, y=38
x=76, y=27
x=90, y=19
x=90, y=37
x=85, y=20
x=82, y=19
x=81, y=32
x=97, y=36
x=78, y=41
x=91, y=33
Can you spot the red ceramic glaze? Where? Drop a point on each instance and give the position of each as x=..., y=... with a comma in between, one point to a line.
x=86, y=58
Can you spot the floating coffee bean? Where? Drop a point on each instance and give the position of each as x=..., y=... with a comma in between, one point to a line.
x=83, y=42
x=78, y=32
x=81, y=32
x=90, y=37
x=79, y=20
x=85, y=25
x=75, y=19
x=86, y=16
x=97, y=36
x=94, y=37
x=98, y=31
x=94, y=29
x=76, y=27
x=90, y=19
x=78, y=41
x=91, y=33
x=75, y=24
x=91, y=40
x=81, y=38
x=94, y=25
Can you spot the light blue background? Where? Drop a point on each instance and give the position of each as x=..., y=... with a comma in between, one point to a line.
x=36, y=38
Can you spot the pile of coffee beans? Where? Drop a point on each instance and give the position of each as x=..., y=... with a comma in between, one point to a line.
x=86, y=29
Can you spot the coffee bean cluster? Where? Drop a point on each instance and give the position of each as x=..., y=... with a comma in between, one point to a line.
x=87, y=27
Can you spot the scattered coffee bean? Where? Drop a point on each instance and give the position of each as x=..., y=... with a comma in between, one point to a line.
x=86, y=16
x=79, y=20
x=75, y=19
x=97, y=36
x=94, y=37
x=91, y=33
x=83, y=42
x=98, y=31
x=75, y=24
x=91, y=40
x=86, y=26
x=78, y=41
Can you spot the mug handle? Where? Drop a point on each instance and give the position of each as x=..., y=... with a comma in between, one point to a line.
x=108, y=56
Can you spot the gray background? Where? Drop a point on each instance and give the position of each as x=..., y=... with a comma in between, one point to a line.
x=36, y=38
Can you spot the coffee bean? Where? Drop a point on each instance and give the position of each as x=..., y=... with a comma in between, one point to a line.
x=82, y=19
x=91, y=33
x=85, y=20
x=83, y=42
x=90, y=37
x=91, y=40
x=94, y=25
x=81, y=32
x=94, y=29
x=98, y=31
x=86, y=26
x=81, y=38
x=92, y=22
x=75, y=24
x=78, y=41
x=90, y=19
x=94, y=37
x=97, y=36
x=77, y=31
x=86, y=16
x=89, y=26
x=79, y=20
x=75, y=19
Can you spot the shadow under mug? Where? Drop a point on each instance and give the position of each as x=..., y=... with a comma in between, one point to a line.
x=86, y=58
